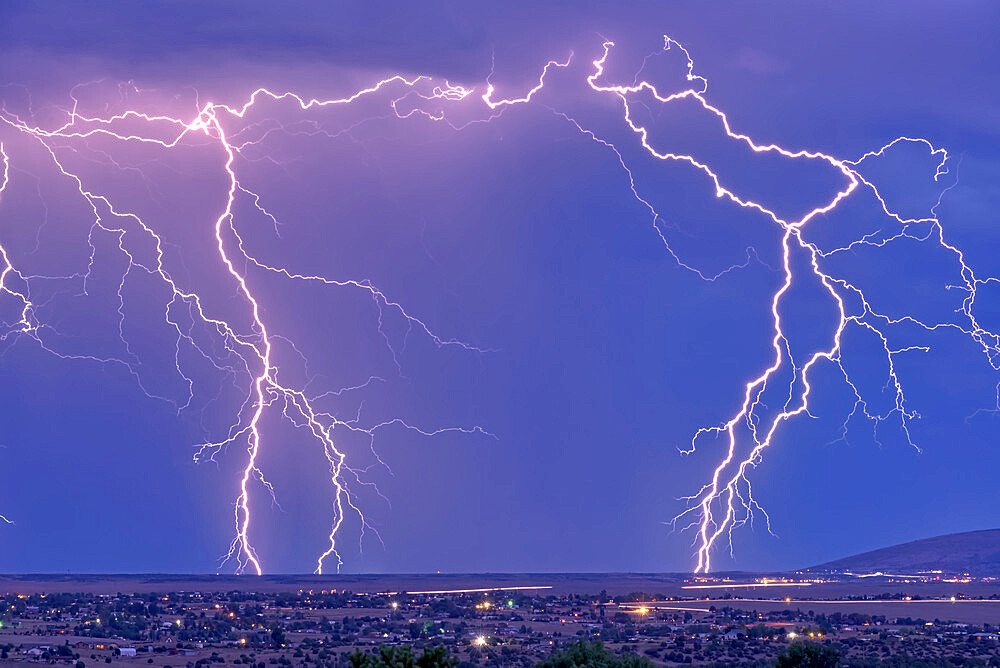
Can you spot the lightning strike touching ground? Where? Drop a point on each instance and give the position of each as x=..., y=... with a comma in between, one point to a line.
x=726, y=502
x=247, y=350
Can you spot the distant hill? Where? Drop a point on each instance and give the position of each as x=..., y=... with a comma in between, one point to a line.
x=974, y=552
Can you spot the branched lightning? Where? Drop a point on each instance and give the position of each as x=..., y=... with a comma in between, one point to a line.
x=249, y=352
x=726, y=502
x=723, y=504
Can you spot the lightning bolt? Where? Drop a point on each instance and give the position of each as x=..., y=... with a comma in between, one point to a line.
x=727, y=502
x=723, y=504
x=250, y=351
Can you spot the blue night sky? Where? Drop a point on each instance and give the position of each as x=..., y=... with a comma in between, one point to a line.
x=600, y=355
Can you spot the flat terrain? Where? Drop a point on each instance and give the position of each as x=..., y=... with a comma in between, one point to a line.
x=614, y=583
x=820, y=597
x=963, y=611
x=660, y=584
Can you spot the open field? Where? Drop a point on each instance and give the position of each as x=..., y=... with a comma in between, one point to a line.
x=964, y=611
x=558, y=583
x=820, y=597
x=660, y=584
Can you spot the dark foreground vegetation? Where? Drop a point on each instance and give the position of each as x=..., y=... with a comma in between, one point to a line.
x=582, y=654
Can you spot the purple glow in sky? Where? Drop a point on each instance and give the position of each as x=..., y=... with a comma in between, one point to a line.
x=412, y=306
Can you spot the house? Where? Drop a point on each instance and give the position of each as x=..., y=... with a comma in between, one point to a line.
x=126, y=651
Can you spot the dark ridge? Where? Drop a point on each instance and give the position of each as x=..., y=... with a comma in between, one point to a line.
x=973, y=552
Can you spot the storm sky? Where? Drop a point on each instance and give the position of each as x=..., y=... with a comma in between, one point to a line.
x=597, y=355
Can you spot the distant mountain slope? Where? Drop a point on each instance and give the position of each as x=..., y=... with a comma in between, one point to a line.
x=975, y=552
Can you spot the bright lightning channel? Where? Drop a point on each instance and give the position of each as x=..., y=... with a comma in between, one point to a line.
x=723, y=504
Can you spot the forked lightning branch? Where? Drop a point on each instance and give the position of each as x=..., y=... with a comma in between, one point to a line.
x=247, y=347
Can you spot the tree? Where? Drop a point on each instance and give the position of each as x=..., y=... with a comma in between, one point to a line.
x=402, y=657
x=808, y=655
x=436, y=657
x=582, y=654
